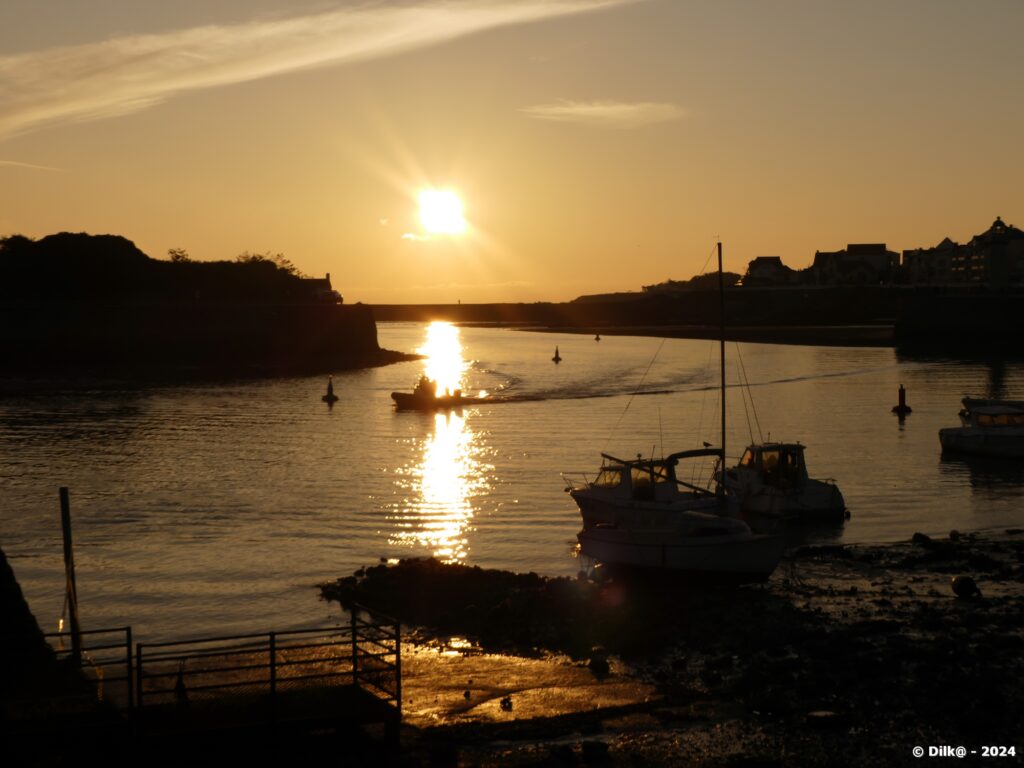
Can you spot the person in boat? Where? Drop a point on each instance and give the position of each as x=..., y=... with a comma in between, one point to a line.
x=425, y=387
x=330, y=387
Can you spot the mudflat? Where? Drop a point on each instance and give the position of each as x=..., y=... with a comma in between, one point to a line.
x=848, y=655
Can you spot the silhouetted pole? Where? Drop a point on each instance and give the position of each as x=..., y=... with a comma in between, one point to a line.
x=69, y=573
x=721, y=347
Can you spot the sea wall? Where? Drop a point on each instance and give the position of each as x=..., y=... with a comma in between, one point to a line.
x=975, y=320
x=950, y=318
x=808, y=306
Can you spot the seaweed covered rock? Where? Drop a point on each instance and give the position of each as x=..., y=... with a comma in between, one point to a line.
x=503, y=610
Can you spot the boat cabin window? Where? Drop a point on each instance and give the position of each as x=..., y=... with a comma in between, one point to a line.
x=645, y=479
x=608, y=478
x=1000, y=419
x=748, y=458
x=781, y=467
x=648, y=475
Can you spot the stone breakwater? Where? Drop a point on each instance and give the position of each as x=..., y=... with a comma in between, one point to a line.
x=202, y=340
x=849, y=655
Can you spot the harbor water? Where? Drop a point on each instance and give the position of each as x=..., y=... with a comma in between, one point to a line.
x=210, y=508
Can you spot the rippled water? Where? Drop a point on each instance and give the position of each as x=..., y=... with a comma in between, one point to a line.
x=211, y=508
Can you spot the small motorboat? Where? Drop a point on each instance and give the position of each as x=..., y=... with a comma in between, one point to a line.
x=424, y=397
x=989, y=428
x=638, y=514
x=772, y=486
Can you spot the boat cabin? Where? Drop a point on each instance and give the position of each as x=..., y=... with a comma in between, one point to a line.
x=995, y=416
x=648, y=479
x=779, y=464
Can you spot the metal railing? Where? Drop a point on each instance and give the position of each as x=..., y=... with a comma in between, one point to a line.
x=246, y=678
x=377, y=656
x=106, y=659
x=297, y=674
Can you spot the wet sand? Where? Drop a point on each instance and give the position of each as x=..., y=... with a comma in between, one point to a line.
x=847, y=656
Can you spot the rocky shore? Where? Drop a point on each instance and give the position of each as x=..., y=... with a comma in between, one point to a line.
x=849, y=655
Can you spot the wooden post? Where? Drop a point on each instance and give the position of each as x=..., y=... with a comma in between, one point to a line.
x=69, y=573
x=721, y=348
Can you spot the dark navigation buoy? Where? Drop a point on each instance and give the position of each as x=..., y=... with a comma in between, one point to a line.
x=597, y=337
x=557, y=358
x=330, y=398
x=902, y=409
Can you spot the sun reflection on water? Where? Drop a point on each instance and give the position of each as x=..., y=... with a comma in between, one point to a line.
x=444, y=362
x=440, y=488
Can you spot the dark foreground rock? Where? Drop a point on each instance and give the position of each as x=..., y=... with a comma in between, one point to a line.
x=848, y=656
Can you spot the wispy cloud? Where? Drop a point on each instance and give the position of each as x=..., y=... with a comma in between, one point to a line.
x=607, y=114
x=30, y=166
x=126, y=74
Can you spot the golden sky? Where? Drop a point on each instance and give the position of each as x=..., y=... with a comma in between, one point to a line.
x=594, y=145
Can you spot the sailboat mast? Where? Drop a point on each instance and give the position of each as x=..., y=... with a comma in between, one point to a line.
x=721, y=348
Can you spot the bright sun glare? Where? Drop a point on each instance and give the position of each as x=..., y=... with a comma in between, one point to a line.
x=441, y=212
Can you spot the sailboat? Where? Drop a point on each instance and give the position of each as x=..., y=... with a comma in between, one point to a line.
x=557, y=358
x=638, y=514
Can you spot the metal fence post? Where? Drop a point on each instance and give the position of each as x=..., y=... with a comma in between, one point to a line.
x=138, y=674
x=398, y=669
x=128, y=676
x=355, y=649
x=273, y=680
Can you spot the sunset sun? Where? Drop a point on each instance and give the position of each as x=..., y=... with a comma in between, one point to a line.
x=441, y=212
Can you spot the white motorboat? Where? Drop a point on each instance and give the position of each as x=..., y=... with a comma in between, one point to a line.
x=993, y=428
x=640, y=490
x=695, y=543
x=639, y=514
x=772, y=486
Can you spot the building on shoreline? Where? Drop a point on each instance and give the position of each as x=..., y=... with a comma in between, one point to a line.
x=993, y=258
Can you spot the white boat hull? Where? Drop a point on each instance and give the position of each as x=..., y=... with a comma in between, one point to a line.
x=748, y=558
x=598, y=509
x=996, y=442
x=817, y=503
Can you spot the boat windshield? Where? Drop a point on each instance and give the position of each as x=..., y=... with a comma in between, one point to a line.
x=608, y=478
x=748, y=458
x=644, y=479
x=648, y=475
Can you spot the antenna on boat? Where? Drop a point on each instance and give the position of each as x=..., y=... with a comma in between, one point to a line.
x=661, y=433
x=721, y=345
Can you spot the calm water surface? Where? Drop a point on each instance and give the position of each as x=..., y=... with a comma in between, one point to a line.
x=214, y=508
